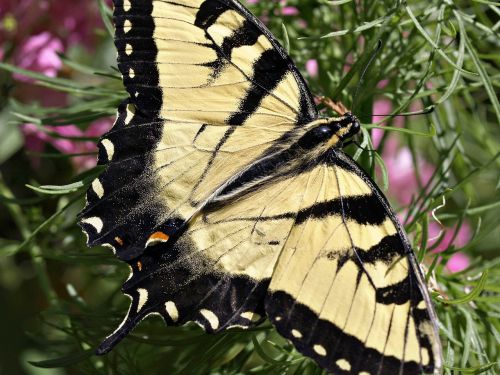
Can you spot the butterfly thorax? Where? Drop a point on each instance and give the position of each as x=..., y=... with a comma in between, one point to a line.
x=318, y=137
x=329, y=132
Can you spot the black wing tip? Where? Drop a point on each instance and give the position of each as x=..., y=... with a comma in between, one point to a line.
x=111, y=341
x=103, y=349
x=117, y=336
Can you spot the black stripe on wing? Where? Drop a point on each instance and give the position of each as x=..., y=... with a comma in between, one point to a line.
x=119, y=211
x=269, y=70
x=308, y=110
x=137, y=53
x=331, y=347
x=365, y=209
x=332, y=207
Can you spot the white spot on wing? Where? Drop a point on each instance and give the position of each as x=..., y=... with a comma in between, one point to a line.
x=319, y=349
x=131, y=73
x=130, y=113
x=127, y=26
x=296, y=333
x=343, y=364
x=126, y=5
x=109, y=147
x=123, y=321
x=424, y=353
x=131, y=273
x=129, y=49
x=143, y=298
x=96, y=222
x=237, y=326
x=97, y=187
x=211, y=318
x=172, y=310
x=250, y=315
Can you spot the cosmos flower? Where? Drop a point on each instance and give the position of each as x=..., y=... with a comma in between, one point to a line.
x=35, y=140
x=312, y=68
x=39, y=53
x=32, y=34
x=459, y=260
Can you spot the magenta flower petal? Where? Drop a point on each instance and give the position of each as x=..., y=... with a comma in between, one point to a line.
x=462, y=238
x=302, y=23
x=289, y=11
x=382, y=83
x=458, y=262
x=403, y=184
x=312, y=67
x=39, y=53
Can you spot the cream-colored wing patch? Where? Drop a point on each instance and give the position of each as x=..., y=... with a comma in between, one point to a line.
x=246, y=236
x=347, y=274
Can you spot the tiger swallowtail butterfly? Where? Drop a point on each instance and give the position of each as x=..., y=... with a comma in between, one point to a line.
x=231, y=200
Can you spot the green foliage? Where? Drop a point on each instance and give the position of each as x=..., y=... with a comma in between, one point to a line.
x=435, y=55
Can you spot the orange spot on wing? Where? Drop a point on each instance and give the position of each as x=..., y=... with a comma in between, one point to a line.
x=139, y=265
x=119, y=241
x=159, y=236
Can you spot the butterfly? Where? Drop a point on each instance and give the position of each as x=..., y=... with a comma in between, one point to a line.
x=231, y=199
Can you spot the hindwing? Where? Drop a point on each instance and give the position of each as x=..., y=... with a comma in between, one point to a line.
x=317, y=250
x=346, y=288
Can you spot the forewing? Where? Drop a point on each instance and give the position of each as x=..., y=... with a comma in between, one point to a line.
x=210, y=92
x=347, y=290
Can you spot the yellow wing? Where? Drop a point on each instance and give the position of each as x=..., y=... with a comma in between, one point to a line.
x=347, y=290
x=321, y=247
x=210, y=92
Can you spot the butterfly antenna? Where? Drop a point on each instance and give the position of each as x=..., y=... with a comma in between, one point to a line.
x=372, y=57
x=424, y=111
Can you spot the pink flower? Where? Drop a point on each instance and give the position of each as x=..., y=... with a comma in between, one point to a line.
x=289, y=11
x=39, y=54
x=382, y=108
x=78, y=20
x=312, y=68
x=36, y=138
x=382, y=83
x=458, y=262
x=72, y=22
x=403, y=183
x=252, y=1
x=302, y=23
x=462, y=238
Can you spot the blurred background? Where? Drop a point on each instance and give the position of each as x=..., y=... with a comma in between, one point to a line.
x=59, y=88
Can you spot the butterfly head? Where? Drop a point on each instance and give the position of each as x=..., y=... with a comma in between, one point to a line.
x=330, y=132
x=344, y=127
